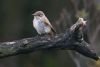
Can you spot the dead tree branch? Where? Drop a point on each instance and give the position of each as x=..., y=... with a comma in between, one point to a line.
x=72, y=39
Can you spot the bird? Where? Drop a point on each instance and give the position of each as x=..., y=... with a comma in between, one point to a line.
x=42, y=24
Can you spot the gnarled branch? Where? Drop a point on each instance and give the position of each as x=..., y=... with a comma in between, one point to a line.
x=72, y=39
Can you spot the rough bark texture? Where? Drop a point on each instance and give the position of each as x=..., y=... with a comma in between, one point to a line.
x=72, y=39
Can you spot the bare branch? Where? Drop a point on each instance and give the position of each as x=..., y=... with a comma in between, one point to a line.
x=72, y=39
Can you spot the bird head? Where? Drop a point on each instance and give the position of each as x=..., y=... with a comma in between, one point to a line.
x=38, y=14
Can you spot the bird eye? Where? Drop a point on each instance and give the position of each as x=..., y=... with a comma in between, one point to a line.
x=40, y=15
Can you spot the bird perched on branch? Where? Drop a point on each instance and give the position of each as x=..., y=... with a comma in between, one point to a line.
x=42, y=24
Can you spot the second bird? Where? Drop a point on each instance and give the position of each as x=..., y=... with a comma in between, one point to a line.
x=42, y=24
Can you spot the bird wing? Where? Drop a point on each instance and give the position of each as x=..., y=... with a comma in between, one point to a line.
x=48, y=23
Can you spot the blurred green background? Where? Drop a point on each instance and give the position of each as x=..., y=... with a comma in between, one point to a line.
x=16, y=23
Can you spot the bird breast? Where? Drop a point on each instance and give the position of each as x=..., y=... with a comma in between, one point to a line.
x=41, y=27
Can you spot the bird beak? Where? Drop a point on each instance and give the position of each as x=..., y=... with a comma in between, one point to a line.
x=34, y=14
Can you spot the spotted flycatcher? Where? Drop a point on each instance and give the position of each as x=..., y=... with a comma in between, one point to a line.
x=42, y=24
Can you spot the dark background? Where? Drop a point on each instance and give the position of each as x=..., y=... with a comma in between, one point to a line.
x=16, y=23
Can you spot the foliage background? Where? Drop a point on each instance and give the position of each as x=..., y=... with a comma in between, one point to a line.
x=16, y=23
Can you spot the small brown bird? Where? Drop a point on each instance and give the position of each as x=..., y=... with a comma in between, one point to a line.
x=42, y=24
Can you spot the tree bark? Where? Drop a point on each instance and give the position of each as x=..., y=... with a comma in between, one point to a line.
x=71, y=39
